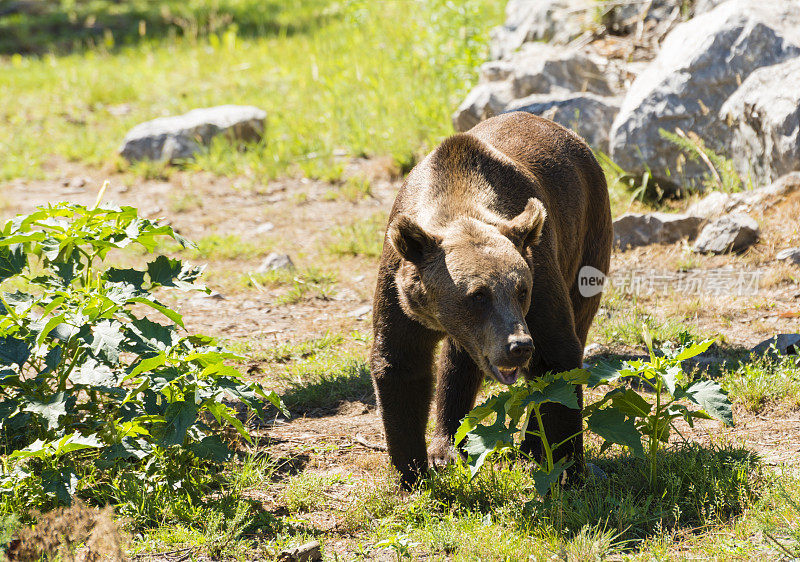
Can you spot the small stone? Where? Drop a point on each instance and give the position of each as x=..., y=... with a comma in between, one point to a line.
x=784, y=344
x=360, y=312
x=730, y=233
x=263, y=228
x=789, y=254
x=275, y=261
x=643, y=229
x=593, y=349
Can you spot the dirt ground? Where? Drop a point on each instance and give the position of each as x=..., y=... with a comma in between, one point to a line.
x=302, y=214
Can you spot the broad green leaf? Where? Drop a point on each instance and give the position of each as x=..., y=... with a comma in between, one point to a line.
x=19, y=302
x=180, y=416
x=211, y=448
x=127, y=448
x=51, y=324
x=602, y=373
x=669, y=377
x=150, y=337
x=714, y=401
x=13, y=260
x=146, y=365
x=13, y=351
x=168, y=312
x=484, y=439
x=543, y=480
x=631, y=403
x=559, y=391
x=91, y=373
x=106, y=337
x=478, y=414
x=50, y=410
x=164, y=270
x=576, y=376
x=613, y=426
x=61, y=482
x=694, y=350
x=131, y=277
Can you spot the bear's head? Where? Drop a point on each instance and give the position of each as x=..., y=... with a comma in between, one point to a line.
x=471, y=281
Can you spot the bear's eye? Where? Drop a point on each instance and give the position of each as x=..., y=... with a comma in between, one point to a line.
x=478, y=296
x=523, y=293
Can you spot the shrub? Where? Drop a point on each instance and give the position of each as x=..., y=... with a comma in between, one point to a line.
x=94, y=391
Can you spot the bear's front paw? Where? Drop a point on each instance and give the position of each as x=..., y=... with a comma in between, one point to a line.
x=441, y=452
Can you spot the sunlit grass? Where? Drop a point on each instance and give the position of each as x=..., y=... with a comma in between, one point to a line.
x=334, y=78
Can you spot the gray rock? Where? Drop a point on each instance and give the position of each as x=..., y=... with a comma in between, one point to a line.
x=789, y=254
x=263, y=228
x=543, y=68
x=703, y=6
x=764, y=114
x=537, y=69
x=483, y=101
x=717, y=203
x=622, y=18
x=785, y=344
x=712, y=205
x=701, y=63
x=730, y=233
x=642, y=229
x=275, y=261
x=589, y=115
x=554, y=21
x=181, y=136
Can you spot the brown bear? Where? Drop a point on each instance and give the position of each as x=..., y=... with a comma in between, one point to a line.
x=482, y=253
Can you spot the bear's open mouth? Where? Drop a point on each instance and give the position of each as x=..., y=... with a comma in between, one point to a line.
x=505, y=375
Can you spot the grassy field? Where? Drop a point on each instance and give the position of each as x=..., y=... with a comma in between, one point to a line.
x=335, y=78
x=355, y=91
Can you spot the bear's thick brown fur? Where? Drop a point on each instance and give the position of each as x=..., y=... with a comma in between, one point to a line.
x=482, y=253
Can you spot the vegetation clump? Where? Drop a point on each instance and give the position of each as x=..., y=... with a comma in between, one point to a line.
x=103, y=394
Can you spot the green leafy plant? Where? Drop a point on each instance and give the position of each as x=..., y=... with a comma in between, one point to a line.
x=623, y=416
x=513, y=409
x=721, y=175
x=676, y=395
x=96, y=372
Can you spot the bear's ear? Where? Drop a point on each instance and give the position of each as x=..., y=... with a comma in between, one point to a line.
x=526, y=228
x=411, y=241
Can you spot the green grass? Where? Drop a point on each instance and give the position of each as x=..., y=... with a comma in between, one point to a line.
x=625, y=327
x=760, y=381
x=305, y=491
x=227, y=247
x=361, y=238
x=498, y=516
x=356, y=77
x=322, y=383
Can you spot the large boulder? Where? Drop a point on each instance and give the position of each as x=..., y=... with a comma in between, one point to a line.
x=554, y=21
x=701, y=63
x=587, y=114
x=730, y=233
x=764, y=114
x=181, y=136
x=717, y=203
x=655, y=17
x=643, y=229
x=536, y=69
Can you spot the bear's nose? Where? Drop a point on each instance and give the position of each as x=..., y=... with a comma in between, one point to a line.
x=520, y=347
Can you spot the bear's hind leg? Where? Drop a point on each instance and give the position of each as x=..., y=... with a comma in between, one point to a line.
x=458, y=382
